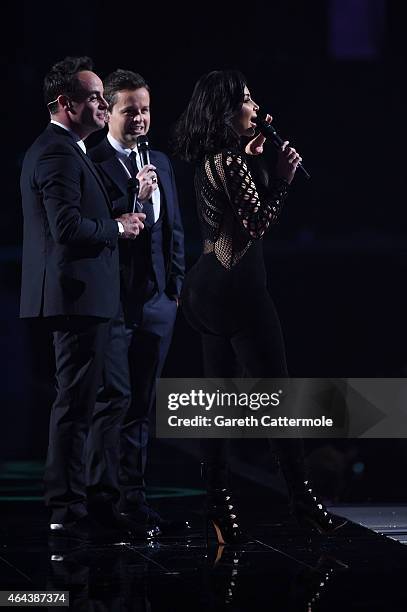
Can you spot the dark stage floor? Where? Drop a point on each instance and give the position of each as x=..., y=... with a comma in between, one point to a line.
x=284, y=568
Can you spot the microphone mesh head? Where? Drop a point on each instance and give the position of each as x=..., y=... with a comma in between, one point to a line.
x=142, y=143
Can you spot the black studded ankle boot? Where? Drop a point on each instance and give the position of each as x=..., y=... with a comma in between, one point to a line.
x=222, y=513
x=311, y=512
x=221, y=509
x=305, y=506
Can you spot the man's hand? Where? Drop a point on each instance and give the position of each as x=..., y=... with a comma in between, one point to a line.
x=132, y=223
x=148, y=182
x=255, y=146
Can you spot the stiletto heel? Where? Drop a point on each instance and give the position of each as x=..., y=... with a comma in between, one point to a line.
x=218, y=531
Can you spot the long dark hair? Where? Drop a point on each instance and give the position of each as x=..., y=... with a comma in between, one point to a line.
x=206, y=124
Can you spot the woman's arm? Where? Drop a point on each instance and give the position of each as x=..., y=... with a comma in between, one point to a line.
x=256, y=207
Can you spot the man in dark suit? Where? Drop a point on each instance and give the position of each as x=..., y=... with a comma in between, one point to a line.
x=152, y=270
x=70, y=278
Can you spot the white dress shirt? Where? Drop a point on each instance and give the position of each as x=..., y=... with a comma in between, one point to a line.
x=122, y=155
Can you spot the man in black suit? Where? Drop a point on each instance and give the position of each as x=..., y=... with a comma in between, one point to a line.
x=152, y=270
x=70, y=278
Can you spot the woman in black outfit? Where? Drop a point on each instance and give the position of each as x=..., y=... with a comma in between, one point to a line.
x=225, y=295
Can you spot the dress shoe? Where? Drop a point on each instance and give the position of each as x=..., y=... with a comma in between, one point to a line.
x=102, y=529
x=145, y=514
x=123, y=526
x=83, y=529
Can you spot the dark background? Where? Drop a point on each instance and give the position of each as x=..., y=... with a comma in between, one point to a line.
x=332, y=74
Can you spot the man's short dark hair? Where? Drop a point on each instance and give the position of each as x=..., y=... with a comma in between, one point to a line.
x=120, y=80
x=62, y=79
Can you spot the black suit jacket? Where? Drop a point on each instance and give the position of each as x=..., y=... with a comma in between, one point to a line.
x=116, y=180
x=70, y=255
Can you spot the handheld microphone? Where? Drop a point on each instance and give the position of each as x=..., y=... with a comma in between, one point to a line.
x=143, y=149
x=144, y=153
x=268, y=130
x=133, y=186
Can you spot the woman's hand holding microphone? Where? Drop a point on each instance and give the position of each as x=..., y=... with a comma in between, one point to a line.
x=288, y=158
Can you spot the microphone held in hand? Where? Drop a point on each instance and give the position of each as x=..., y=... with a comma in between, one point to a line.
x=133, y=187
x=269, y=131
x=143, y=149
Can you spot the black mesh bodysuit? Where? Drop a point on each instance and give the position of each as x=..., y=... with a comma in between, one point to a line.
x=227, y=286
x=225, y=295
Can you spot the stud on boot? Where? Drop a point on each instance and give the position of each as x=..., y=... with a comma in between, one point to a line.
x=221, y=512
x=311, y=512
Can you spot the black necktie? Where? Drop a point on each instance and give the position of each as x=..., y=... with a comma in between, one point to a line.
x=147, y=206
x=133, y=164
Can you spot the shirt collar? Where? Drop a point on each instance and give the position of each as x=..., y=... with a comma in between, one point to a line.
x=118, y=147
x=75, y=136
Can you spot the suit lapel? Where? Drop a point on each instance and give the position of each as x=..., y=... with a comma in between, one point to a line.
x=56, y=130
x=114, y=169
x=164, y=181
x=94, y=171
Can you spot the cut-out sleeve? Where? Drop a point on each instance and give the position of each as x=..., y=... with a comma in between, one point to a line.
x=256, y=208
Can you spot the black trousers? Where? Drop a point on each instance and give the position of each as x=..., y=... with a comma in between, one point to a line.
x=134, y=362
x=253, y=349
x=81, y=344
x=112, y=403
x=148, y=343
